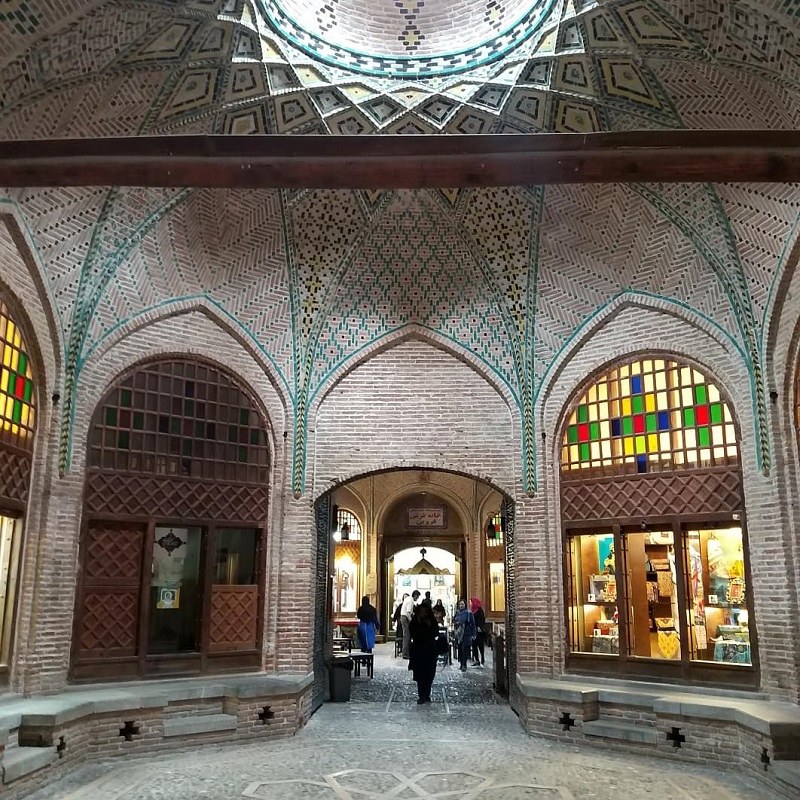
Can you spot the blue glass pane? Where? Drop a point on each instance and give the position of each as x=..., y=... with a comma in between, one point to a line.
x=641, y=463
x=636, y=384
x=616, y=427
x=663, y=420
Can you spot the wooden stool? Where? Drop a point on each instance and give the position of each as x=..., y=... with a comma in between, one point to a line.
x=367, y=659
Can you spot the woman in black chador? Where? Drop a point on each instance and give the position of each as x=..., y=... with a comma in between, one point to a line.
x=423, y=651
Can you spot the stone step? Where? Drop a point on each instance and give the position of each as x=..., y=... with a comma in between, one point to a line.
x=204, y=723
x=788, y=772
x=21, y=761
x=620, y=730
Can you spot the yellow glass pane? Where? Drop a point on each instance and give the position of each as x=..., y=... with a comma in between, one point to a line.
x=596, y=452
x=686, y=376
x=591, y=395
x=652, y=442
x=613, y=409
x=713, y=393
x=628, y=443
x=593, y=413
x=641, y=445
x=636, y=368
x=626, y=406
x=32, y=416
x=9, y=405
x=574, y=455
x=10, y=331
x=607, y=455
x=15, y=360
x=15, y=430
x=649, y=402
x=602, y=391
x=624, y=371
x=605, y=428
x=24, y=415
x=6, y=356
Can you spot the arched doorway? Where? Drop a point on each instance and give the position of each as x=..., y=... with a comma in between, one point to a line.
x=399, y=514
x=174, y=520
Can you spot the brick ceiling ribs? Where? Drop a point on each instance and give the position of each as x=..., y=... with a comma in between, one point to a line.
x=513, y=274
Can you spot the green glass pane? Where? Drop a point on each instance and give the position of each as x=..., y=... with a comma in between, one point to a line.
x=12, y=379
x=23, y=364
x=242, y=454
x=28, y=391
x=703, y=437
x=123, y=440
x=255, y=437
x=233, y=433
x=627, y=426
x=572, y=434
x=244, y=416
x=16, y=413
x=594, y=430
x=637, y=402
x=688, y=418
x=651, y=423
x=125, y=398
x=700, y=395
x=585, y=451
x=716, y=413
x=111, y=415
x=138, y=420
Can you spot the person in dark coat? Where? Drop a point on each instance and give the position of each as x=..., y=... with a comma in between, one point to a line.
x=465, y=633
x=424, y=653
x=479, y=642
x=367, y=625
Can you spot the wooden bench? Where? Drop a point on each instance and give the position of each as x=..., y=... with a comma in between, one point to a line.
x=363, y=659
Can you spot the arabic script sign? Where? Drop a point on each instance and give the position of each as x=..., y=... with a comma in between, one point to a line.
x=426, y=517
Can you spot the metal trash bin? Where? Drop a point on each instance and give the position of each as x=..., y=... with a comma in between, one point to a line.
x=341, y=668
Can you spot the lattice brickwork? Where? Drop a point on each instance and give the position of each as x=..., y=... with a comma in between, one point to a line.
x=234, y=613
x=699, y=492
x=145, y=495
x=15, y=474
x=109, y=622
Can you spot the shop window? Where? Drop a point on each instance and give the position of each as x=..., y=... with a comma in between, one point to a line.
x=17, y=415
x=634, y=605
x=592, y=590
x=497, y=586
x=649, y=415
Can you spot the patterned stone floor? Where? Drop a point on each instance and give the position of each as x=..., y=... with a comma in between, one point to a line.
x=465, y=745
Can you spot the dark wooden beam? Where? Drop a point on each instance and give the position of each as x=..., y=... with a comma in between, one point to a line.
x=396, y=162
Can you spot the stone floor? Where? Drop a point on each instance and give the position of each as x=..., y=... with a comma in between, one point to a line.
x=466, y=744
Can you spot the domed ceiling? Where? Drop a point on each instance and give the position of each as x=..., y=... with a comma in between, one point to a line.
x=411, y=38
x=312, y=279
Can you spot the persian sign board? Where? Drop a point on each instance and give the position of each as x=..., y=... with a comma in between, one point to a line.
x=427, y=517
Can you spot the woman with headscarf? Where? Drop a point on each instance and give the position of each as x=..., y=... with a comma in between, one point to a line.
x=479, y=642
x=367, y=625
x=465, y=633
x=423, y=651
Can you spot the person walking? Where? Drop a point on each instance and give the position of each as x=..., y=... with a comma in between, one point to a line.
x=479, y=642
x=424, y=651
x=397, y=625
x=368, y=624
x=439, y=612
x=465, y=633
x=406, y=613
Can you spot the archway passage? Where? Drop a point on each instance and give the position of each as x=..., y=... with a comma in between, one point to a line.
x=384, y=535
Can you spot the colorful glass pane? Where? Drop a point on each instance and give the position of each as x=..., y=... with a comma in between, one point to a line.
x=16, y=384
x=646, y=412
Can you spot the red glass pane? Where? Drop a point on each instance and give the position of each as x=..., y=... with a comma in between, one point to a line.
x=19, y=387
x=701, y=415
x=638, y=423
x=583, y=433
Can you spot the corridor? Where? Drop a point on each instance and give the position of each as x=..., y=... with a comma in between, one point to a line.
x=466, y=744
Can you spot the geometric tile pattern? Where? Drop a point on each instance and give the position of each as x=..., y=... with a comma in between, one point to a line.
x=529, y=266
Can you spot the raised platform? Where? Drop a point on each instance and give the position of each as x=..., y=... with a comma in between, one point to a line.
x=735, y=729
x=43, y=737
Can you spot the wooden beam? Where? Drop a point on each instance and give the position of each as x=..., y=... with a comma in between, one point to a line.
x=404, y=162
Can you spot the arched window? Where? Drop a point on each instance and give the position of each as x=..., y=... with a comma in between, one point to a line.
x=17, y=415
x=649, y=415
x=655, y=544
x=17, y=425
x=346, y=563
x=177, y=491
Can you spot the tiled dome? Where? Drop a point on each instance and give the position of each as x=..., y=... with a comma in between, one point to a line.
x=408, y=37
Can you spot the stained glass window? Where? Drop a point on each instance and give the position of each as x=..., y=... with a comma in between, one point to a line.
x=347, y=526
x=646, y=416
x=180, y=418
x=17, y=414
x=494, y=530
